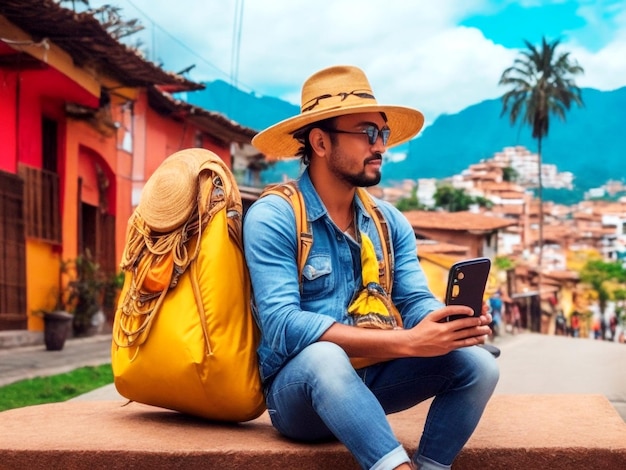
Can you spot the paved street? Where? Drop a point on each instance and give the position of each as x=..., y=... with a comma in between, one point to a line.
x=530, y=364
x=541, y=364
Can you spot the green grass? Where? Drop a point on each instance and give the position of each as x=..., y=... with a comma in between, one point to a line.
x=54, y=388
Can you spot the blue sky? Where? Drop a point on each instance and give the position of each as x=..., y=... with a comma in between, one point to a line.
x=438, y=56
x=512, y=22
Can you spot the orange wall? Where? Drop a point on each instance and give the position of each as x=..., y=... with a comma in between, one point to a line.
x=42, y=275
x=79, y=135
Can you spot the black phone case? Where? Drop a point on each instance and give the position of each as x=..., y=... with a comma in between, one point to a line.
x=466, y=284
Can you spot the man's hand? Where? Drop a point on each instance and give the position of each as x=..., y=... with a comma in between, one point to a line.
x=434, y=336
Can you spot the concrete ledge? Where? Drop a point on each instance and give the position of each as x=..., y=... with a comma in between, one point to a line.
x=516, y=432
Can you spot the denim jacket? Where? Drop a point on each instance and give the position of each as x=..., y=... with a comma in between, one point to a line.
x=289, y=319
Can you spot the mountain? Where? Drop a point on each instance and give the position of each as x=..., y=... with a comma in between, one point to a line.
x=246, y=109
x=590, y=143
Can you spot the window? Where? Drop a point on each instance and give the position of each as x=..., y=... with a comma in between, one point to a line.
x=42, y=218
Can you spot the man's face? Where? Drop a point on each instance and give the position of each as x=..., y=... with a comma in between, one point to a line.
x=353, y=159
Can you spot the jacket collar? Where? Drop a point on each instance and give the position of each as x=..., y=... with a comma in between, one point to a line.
x=314, y=206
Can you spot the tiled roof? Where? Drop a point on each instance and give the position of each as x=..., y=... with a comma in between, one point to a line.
x=431, y=246
x=89, y=44
x=563, y=275
x=466, y=221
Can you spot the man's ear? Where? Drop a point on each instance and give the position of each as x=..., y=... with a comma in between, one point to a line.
x=318, y=140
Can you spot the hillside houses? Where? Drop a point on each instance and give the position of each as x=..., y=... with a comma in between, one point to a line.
x=524, y=162
x=589, y=226
x=592, y=225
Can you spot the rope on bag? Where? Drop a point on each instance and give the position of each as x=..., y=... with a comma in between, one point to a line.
x=155, y=261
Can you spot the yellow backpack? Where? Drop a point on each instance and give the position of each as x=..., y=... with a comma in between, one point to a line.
x=184, y=337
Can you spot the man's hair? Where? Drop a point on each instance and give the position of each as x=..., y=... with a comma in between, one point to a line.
x=302, y=136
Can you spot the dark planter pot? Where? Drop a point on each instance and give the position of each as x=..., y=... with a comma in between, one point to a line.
x=56, y=329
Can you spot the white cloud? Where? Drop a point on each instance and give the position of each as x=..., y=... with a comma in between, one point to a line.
x=412, y=51
x=603, y=70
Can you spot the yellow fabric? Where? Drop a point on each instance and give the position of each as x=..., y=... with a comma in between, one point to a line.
x=372, y=307
x=192, y=346
x=385, y=265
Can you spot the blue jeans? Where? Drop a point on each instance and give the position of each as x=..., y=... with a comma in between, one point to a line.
x=318, y=395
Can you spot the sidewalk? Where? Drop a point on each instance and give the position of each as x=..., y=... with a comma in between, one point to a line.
x=530, y=364
x=34, y=361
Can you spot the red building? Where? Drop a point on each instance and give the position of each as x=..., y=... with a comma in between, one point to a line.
x=84, y=121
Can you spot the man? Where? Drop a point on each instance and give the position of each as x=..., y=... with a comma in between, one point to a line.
x=495, y=302
x=308, y=336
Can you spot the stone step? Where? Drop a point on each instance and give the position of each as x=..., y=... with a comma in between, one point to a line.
x=20, y=338
x=516, y=432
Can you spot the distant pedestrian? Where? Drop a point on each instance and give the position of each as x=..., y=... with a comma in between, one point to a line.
x=575, y=324
x=561, y=324
x=603, y=327
x=516, y=318
x=613, y=326
x=495, y=302
x=596, y=328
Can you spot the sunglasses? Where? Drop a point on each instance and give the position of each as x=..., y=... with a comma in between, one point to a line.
x=371, y=131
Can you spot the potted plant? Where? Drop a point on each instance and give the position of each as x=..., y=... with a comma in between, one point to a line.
x=85, y=293
x=57, y=321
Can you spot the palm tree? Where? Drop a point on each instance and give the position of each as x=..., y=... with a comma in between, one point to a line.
x=541, y=83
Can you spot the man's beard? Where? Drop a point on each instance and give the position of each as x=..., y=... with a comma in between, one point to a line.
x=360, y=179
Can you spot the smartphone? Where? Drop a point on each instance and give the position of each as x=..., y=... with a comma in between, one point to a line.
x=466, y=284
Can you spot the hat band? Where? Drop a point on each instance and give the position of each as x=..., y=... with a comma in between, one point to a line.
x=343, y=95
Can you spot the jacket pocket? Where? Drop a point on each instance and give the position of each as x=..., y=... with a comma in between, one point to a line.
x=317, y=277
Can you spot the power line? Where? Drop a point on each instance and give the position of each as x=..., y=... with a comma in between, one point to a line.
x=236, y=42
x=234, y=72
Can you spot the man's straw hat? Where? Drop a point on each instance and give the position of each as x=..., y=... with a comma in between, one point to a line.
x=329, y=93
x=170, y=194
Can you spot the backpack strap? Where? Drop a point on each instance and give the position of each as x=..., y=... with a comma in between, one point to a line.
x=290, y=192
x=386, y=268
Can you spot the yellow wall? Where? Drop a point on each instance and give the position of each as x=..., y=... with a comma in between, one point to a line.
x=436, y=268
x=42, y=272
